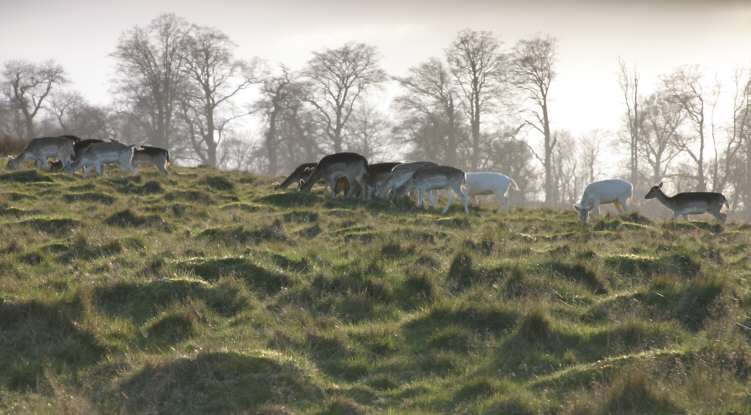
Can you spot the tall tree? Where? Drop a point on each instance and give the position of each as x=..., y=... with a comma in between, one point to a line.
x=478, y=68
x=151, y=75
x=684, y=87
x=660, y=119
x=367, y=132
x=629, y=83
x=532, y=72
x=214, y=78
x=338, y=79
x=276, y=92
x=27, y=86
x=430, y=91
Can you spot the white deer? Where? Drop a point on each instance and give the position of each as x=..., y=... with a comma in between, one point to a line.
x=614, y=191
x=489, y=183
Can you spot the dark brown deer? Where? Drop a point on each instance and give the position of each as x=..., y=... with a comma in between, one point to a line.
x=299, y=176
x=691, y=203
x=351, y=166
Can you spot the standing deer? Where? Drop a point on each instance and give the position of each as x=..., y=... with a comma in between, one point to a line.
x=691, y=203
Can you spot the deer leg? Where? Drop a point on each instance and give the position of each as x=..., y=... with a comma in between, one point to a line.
x=463, y=196
x=448, y=204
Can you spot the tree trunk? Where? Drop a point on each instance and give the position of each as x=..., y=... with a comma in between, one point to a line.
x=451, y=150
x=550, y=197
x=476, y=133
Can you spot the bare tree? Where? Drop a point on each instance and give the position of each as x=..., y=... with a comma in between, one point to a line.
x=431, y=92
x=367, y=131
x=532, y=72
x=684, y=87
x=151, y=75
x=629, y=83
x=339, y=78
x=741, y=129
x=565, y=168
x=214, y=78
x=27, y=85
x=478, y=67
x=590, y=149
x=62, y=104
x=660, y=118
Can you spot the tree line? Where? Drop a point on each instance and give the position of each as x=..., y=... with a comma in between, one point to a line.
x=482, y=105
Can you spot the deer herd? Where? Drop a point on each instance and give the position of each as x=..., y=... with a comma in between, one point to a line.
x=352, y=173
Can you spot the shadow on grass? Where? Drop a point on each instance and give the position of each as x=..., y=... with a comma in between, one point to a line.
x=217, y=383
x=37, y=336
x=140, y=301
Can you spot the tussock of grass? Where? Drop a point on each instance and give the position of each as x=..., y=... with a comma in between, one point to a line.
x=243, y=235
x=218, y=183
x=51, y=225
x=142, y=301
x=12, y=211
x=95, y=197
x=244, y=268
x=38, y=336
x=217, y=382
x=631, y=394
x=301, y=216
x=192, y=196
x=127, y=218
x=579, y=272
x=170, y=329
x=292, y=199
x=25, y=176
x=242, y=206
x=679, y=263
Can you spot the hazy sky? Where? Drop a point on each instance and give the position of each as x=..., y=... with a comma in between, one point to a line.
x=80, y=34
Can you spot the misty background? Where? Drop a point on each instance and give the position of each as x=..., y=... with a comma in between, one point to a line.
x=554, y=94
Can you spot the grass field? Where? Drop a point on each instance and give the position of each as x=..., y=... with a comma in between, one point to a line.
x=209, y=292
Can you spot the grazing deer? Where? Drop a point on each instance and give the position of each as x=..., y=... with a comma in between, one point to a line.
x=155, y=156
x=99, y=154
x=351, y=166
x=378, y=174
x=489, y=183
x=299, y=175
x=41, y=149
x=77, y=147
x=400, y=175
x=614, y=191
x=430, y=178
x=691, y=203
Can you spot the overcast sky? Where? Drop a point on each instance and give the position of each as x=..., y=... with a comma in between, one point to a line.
x=80, y=34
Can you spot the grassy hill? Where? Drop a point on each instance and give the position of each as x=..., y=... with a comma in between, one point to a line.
x=209, y=292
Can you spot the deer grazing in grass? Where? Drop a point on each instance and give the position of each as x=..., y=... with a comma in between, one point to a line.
x=395, y=184
x=41, y=149
x=430, y=178
x=350, y=166
x=378, y=174
x=614, y=191
x=155, y=156
x=691, y=203
x=489, y=183
x=300, y=175
x=99, y=154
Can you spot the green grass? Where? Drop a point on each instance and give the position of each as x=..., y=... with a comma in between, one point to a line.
x=211, y=292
